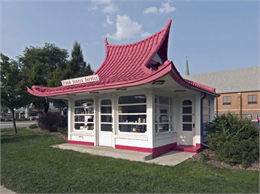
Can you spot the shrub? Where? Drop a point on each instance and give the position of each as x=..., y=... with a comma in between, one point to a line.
x=52, y=121
x=234, y=140
x=33, y=126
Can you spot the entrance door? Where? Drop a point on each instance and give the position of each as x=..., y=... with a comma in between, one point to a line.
x=106, y=123
x=187, y=123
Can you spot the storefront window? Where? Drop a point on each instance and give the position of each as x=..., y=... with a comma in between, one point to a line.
x=163, y=114
x=84, y=114
x=132, y=113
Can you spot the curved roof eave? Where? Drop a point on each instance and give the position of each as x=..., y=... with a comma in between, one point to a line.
x=168, y=68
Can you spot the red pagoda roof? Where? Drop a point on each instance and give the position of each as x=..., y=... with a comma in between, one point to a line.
x=126, y=66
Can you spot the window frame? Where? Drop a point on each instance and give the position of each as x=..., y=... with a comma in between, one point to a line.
x=228, y=101
x=158, y=115
x=139, y=122
x=91, y=115
x=252, y=101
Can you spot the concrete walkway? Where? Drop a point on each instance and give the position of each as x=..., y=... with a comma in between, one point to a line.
x=171, y=158
x=4, y=190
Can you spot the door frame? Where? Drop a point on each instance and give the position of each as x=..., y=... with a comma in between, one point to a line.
x=112, y=123
x=190, y=134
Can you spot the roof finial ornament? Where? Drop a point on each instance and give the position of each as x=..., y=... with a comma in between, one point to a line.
x=106, y=43
x=187, y=72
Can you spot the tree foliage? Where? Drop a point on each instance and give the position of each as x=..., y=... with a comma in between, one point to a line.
x=38, y=65
x=13, y=91
x=76, y=67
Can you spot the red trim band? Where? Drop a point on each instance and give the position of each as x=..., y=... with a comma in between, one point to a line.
x=163, y=149
x=81, y=143
x=138, y=149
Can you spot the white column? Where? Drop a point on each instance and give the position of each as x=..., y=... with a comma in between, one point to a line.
x=197, y=119
x=70, y=116
x=150, y=119
x=96, y=120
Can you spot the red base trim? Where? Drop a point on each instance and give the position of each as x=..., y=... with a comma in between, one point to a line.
x=163, y=149
x=188, y=148
x=148, y=150
x=81, y=143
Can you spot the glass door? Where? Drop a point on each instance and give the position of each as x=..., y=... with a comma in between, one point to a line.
x=187, y=122
x=106, y=123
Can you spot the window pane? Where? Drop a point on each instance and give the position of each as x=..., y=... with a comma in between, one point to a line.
x=164, y=118
x=187, y=102
x=205, y=118
x=187, y=127
x=106, y=118
x=106, y=109
x=83, y=126
x=205, y=110
x=163, y=100
x=187, y=118
x=163, y=127
x=132, y=99
x=132, y=128
x=79, y=118
x=132, y=109
x=206, y=102
x=106, y=127
x=87, y=102
x=164, y=109
x=186, y=110
x=106, y=102
x=132, y=118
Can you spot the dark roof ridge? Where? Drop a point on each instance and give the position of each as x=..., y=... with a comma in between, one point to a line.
x=222, y=71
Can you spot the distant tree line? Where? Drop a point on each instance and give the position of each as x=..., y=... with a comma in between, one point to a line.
x=43, y=66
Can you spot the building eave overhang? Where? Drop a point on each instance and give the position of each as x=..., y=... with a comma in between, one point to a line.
x=168, y=68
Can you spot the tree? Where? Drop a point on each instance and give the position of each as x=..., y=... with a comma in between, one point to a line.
x=77, y=67
x=13, y=91
x=38, y=63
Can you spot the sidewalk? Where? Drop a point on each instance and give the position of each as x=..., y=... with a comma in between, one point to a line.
x=171, y=158
x=4, y=190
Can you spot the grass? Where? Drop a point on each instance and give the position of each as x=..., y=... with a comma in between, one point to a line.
x=30, y=165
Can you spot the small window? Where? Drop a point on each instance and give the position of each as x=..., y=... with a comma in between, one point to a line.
x=227, y=100
x=252, y=99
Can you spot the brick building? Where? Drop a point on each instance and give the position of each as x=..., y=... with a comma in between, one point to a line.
x=239, y=91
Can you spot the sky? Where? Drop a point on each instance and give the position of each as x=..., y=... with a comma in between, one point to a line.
x=213, y=35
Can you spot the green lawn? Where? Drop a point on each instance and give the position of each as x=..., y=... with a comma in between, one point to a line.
x=30, y=165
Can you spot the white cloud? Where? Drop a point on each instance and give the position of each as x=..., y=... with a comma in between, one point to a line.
x=125, y=28
x=93, y=8
x=109, y=21
x=101, y=1
x=151, y=10
x=166, y=8
x=110, y=9
x=145, y=35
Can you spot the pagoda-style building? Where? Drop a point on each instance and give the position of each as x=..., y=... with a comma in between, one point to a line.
x=136, y=100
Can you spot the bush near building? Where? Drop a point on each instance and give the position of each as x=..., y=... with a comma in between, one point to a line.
x=234, y=140
x=52, y=122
